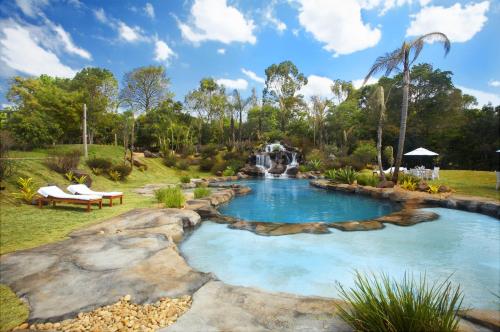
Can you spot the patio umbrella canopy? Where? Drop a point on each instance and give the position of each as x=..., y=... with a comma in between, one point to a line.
x=421, y=152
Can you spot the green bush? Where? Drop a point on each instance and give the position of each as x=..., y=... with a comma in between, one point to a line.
x=185, y=179
x=408, y=178
x=170, y=160
x=114, y=175
x=63, y=162
x=314, y=164
x=342, y=175
x=123, y=169
x=229, y=171
x=172, y=197
x=303, y=168
x=368, y=180
x=182, y=165
x=27, y=190
x=235, y=164
x=384, y=304
x=201, y=192
x=206, y=164
x=219, y=166
x=100, y=163
x=209, y=150
x=365, y=153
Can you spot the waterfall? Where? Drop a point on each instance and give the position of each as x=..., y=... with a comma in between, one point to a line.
x=264, y=162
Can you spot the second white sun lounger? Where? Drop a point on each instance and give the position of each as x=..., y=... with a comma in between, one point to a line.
x=53, y=194
x=82, y=189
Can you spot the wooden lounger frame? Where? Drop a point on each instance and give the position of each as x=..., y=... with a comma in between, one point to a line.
x=110, y=197
x=53, y=200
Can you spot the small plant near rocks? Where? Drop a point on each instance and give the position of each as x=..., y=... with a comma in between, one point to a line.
x=314, y=164
x=81, y=180
x=27, y=190
x=384, y=304
x=114, y=175
x=170, y=160
x=202, y=192
x=123, y=169
x=408, y=178
x=182, y=165
x=368, y=180
x=185, y=179
x=433, y=189
x=409, y=185
x=172, y=197
x=229, y=171
x=97, y=170
x=99, y=163
x=342, y=175
x=69, y=176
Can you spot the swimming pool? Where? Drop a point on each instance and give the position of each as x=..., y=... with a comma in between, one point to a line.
x=295, y=201
x=461, y=244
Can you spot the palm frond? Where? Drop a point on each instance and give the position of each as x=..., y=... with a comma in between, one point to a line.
x=387, y=63
x=440, y=37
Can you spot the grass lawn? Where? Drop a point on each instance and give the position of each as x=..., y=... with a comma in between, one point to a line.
x=12, y=310
x=474, y=183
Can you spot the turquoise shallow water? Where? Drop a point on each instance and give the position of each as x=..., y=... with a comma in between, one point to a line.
x=464, y=244
x=295, y=201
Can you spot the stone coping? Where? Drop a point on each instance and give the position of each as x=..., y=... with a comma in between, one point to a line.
x=136, y=254
x=414, y=199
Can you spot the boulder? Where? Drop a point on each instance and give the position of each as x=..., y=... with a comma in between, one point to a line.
x=252, y=170
x=79, y=173
x=292, y=171
x=149, y=154
x=277, y=169
x=444, y=189
x=423, y=186
x=385, y=184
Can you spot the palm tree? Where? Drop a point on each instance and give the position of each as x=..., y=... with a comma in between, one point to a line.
x=405, y=56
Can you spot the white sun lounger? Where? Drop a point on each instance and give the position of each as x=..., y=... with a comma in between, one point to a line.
x=53, y=194
x=82, y=189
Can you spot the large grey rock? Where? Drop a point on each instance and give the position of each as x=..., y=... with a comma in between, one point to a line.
x=134, y=253
x=220, y=307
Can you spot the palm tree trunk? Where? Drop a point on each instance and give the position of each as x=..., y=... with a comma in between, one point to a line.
x=239, y=125
x=233, y=137
x=404, y=116
x=381, y=102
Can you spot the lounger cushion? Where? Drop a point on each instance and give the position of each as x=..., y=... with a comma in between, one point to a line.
x=56, y=192
x=84, y=190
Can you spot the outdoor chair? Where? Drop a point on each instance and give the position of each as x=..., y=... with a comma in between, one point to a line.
x=435, y=173
x=82, y=189
x=53, y=194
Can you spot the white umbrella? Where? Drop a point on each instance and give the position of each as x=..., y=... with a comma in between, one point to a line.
x=421, y=152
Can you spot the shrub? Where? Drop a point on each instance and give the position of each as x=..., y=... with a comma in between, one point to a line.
x=202, y=192
x=409, y=185
x=219, y=166
x=97, y=171
x=303, y=168
x=235, y=164
x=408, y=178
x=182, y=164
x=26, y=190
x=330, y=174
x=69, y=176
x=63, y=162
x=346, y=175
x=365, y=153
x=384, y=304
x=6, y=143
x=368, y=180
x=100, y=163
x=123, y=169
x=114, y=175
x=229, y=171
x=209, y=150
x=172, y=197
x=170, y=160
x=433, y=188
x=185, y=179
x=81, y=180
x=314, y=164
x=206, y=164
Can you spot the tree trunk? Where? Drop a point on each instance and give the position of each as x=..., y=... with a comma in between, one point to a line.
x=132, y=145
x=239, y=125
x=404, y=116
x=381, y=102
x=233, y=137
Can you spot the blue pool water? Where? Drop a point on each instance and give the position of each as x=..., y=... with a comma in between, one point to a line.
x=462, y=244
x=295, y=201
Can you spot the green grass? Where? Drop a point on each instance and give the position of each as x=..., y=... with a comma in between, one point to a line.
x=474, y=183
x=13, y=311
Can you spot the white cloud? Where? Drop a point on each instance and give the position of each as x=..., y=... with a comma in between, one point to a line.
x=21, y=51
x=129, y=34
x=338, y=24
x=295, y=32
x=253, y=76
x=270, y=17
x=162, y=51
x=459, y=23
x=149, y=10
x=100, y=15
x=215, y=20
x=359, y=82
x=482, y=97
x=68, y=44
x=494, y=83
x=386, y=5
x=238, y=84
x=221, y=51
x=31, y=8
x=317, y=86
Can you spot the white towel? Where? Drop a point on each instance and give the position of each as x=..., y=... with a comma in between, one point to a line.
x=56, y=192
x=84, y=190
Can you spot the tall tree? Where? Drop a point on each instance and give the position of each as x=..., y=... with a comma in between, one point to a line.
x=405, y=56
x=283, y=81
x=319, y=109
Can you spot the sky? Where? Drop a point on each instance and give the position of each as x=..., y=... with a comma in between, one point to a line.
x=234, y=41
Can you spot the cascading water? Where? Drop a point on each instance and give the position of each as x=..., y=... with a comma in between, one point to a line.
x=264, y=161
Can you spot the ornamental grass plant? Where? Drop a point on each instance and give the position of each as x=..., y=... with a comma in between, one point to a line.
x=379, y=303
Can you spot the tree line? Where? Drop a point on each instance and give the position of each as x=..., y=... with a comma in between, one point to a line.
x=144, y=114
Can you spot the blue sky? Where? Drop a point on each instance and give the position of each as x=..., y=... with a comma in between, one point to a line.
x=234, y=41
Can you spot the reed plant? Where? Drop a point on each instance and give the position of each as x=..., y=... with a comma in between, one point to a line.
x=171, y=197
x=202, y=192
x=380, y=303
